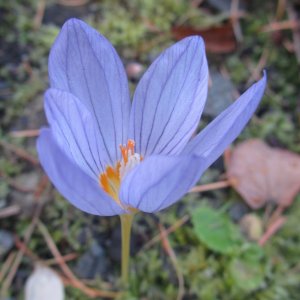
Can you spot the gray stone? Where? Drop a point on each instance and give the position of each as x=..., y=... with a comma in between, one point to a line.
x=220, y=95
x=224, y=5
x=92, y=263
x=28, y=180
x=6, y=242
x=238, y=210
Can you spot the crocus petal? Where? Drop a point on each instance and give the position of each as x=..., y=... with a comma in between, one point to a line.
x=160, y=181
x=75, y=185
x=84, y=63
x=75, y=130
x=211, y=142
x=169, y=99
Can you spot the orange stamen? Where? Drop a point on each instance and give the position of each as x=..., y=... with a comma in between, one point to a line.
x=110, y=182
x=124, y=153
x=125, y=150
x=130, y=146
x=110, y=179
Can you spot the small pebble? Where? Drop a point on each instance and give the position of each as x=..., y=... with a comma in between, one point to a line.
x=44, y=284
x=134, y=70
x=6, y=242
x=252, y=227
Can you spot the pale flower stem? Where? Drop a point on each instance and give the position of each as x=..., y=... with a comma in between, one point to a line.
x=126, y=223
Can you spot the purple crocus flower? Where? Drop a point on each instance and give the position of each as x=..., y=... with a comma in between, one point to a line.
x=110, y=157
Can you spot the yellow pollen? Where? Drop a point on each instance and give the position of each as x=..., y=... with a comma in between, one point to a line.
x=110, y=179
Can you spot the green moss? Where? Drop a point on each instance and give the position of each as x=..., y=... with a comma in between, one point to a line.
x=140, y=30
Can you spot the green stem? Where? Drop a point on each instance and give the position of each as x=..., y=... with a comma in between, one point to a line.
x=126, y=222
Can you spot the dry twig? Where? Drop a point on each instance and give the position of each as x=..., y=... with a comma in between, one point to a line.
x=14, y=267
x=73, y=2
x=9, y=211
x=271, y=230
x=211, y=186
x=14, y=184
x=281, y=5
x=277, y=213
x=19, y=152
x=7, y=265
x=66, y=258
x=256, y=73
x=171, y=229
x=28, y=233
x=67, y=271
x=283, y=25
x=295, y=31
x=25, y=133
x=234, y=16
x=49, y=262
x=41, y=187
x=38, y=18
x=26, y=251
x=169, y=250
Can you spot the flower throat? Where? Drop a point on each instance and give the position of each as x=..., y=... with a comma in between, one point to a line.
x=110, y=179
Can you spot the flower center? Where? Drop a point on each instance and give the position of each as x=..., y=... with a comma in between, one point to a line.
x=110, y=179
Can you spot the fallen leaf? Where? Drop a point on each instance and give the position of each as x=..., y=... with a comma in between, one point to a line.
x=215, y=230
x=218, y=39
x=264, y=174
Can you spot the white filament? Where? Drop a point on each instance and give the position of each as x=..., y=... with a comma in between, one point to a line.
x=133, y=161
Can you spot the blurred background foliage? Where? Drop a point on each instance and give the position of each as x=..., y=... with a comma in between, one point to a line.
x=241, y=40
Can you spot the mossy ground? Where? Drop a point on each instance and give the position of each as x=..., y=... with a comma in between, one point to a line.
x=140, y=30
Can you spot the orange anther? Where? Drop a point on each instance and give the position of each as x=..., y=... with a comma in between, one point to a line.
x=130, y=146
x=124, y=153
x=112, y=173
x=104, y=182
x=110, y=179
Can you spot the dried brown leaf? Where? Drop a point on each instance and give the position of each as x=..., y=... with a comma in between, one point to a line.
x=263, y=174
x=218, y=39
